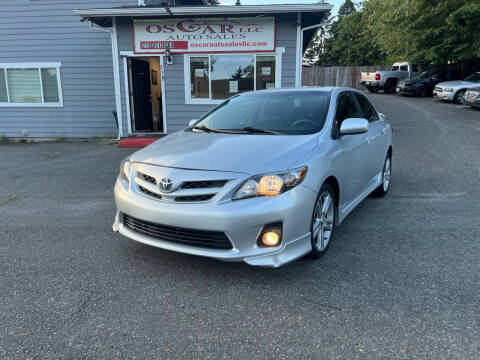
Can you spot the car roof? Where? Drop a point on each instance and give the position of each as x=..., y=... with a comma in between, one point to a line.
x=329, y=89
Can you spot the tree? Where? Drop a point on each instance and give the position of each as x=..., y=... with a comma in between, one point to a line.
x=346, y=9
x=384, y=31
x=347, y=43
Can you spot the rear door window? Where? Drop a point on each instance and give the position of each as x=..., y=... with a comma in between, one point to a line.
x=404, y=68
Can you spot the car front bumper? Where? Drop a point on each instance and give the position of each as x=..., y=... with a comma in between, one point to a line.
x=407, y=90
x=241, y=220
x=443, y=95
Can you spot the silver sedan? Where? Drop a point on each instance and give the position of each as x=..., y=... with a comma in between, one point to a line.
x=263, y=178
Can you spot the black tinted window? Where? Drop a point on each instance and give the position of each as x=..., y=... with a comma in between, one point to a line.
x=346, y=108
x=367, y=108
x=403, y=68
x=414, y=68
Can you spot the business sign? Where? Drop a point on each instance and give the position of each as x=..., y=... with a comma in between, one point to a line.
x=203, y=35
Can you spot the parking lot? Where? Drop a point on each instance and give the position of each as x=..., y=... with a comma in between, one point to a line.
x=401, y=279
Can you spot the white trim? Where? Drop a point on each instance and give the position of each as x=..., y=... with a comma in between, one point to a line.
x=40, y=105
x=298, y=56
x=162, y=89
x=127, y=95
x=6, y=85
x=41, y=84
x=126, y=54
x=186, y=73
x=186, y=78
x=59, y=85
x=31, y=65
x=39, y=67
x=278, y=80
x=205, y=10
x=116, y=78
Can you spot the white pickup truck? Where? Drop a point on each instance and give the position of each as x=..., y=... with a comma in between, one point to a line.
x=387, y=80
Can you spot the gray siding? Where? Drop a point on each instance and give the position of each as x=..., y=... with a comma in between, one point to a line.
x=49, y=31
x=179, y=113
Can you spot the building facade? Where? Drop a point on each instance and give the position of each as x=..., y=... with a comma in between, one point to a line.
x=140, y=67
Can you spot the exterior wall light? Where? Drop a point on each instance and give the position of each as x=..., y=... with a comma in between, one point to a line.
x=169, y=56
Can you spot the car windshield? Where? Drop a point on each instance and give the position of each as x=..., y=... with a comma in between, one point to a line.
x=272, y=112
x=475, y=77
x=424, y=75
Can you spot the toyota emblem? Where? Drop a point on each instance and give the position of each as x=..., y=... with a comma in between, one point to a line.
x=166, y=185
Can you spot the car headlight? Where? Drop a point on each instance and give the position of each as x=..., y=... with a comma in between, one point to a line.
x=125, y=169
x=270, y=184
x=447, y=89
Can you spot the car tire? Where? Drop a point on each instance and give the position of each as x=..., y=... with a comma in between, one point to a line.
x=422, y=92
x=372, y=89
x=459, y=96
x=382, y=190
x=389, y=87
x=323, y=221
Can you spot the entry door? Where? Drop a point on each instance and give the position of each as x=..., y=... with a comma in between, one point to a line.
x=142, y=97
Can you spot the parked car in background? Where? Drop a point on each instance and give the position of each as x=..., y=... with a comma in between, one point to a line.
x=265, y=177
x=423, y=84
x=387, y=80
x=455, y=90
x=472, y=97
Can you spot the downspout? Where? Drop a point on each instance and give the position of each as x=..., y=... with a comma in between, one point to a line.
x=116, y=71
x=300, y=32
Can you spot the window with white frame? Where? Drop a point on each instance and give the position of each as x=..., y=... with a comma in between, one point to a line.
x=30, y=84
x=213, y=78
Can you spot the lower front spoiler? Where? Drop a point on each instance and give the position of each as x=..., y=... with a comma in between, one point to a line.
x=276, y=257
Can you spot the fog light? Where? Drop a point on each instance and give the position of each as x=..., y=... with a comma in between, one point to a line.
x=270, y=238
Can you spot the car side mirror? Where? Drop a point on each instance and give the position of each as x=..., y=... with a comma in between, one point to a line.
x=192, y=122
x=352, y=126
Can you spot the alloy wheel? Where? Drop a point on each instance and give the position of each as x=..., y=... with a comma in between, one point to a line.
x=323, y=220
x=387, y=172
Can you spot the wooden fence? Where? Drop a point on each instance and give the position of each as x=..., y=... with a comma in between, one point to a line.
x=337, y=75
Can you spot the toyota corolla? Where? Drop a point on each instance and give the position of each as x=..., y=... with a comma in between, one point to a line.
x=264, y=178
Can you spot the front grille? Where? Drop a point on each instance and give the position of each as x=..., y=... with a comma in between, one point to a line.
x=203, y=184
x=199, y=238
x=149, y=193
x=147, y=178
x=194, y=198
x=187, y=191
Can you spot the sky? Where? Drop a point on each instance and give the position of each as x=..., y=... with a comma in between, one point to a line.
x=336, y=3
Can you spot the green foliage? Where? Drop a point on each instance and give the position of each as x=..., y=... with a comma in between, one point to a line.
x=4, y=139
x=385, y=31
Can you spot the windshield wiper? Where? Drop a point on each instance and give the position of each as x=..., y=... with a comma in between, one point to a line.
x=260, y=131
x=207, y=129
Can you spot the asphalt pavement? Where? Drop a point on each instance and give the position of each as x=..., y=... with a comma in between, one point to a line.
x=400, y=281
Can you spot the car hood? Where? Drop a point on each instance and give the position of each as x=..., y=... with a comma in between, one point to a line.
x=244, y=153
x=455, y=83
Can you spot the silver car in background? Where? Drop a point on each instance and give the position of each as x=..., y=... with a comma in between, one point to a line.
x=455, y=90
x=263, y=178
